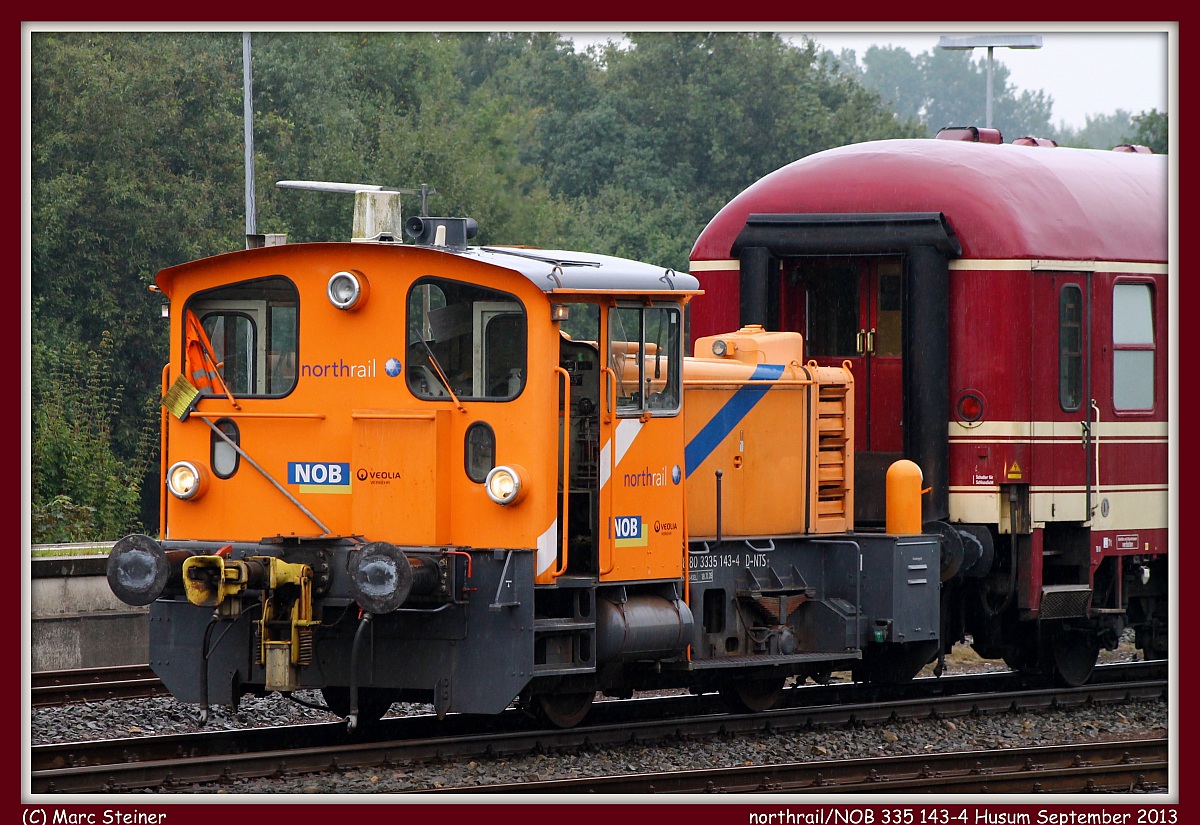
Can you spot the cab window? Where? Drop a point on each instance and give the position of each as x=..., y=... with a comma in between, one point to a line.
x=645, y=357
x=465, y=339
x=249, y=341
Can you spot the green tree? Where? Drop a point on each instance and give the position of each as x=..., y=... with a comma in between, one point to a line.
x=948, y=88
x=1150, y=129
x=1098, y=131
x=679, y=123
x=135, y=165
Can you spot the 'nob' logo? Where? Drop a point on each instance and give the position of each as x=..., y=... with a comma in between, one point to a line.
x=320, y=476
x=630, y=531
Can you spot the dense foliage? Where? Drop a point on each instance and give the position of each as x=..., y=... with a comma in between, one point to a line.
x=137, y=163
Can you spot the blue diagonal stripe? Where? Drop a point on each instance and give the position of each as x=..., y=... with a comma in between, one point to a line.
x=726, y=418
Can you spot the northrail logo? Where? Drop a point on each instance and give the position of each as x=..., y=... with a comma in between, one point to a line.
x=630, y=531
x=320, y=476
x=340, y=369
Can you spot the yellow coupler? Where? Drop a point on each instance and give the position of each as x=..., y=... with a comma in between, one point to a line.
x=214, y=581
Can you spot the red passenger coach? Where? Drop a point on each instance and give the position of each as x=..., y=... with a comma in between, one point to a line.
x=1003, y=309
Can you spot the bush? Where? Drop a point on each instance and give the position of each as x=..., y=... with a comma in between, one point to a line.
x=82, y=489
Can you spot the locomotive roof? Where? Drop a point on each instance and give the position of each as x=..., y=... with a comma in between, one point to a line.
x=1003, y=201
x=547, y=269
x=551, y=269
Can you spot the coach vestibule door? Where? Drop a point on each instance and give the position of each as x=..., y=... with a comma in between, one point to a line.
x=849, y=309
x=1061, y=397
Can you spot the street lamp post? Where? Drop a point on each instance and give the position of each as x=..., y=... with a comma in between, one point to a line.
x=991, y=41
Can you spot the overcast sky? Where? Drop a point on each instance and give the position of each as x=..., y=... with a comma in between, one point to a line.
x=1086, y=70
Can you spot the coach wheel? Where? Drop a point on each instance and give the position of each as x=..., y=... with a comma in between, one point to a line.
x=562, y=710
x=753, y=695
x=1075, y=656
x=373, y=703
x=1021, y=658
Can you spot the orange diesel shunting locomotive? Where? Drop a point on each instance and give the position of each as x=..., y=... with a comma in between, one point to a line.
x=469, y=474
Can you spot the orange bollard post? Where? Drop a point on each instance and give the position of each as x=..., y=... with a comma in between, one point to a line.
x=903, y=491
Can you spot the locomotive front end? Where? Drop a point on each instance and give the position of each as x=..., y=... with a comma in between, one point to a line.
x=358, y=477
x=387, y=467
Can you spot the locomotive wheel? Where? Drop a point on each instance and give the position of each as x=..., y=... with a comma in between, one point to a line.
x=373, y=703
x=1074, y=657
x=753, y=695
x=562, y=710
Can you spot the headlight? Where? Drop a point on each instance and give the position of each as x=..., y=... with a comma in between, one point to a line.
x=187, y=481
x=505, y=485
x=348, y=290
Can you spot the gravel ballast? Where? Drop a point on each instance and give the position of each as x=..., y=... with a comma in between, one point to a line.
x=163, y=715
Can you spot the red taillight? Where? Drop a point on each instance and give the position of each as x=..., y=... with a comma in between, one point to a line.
x=970, y=407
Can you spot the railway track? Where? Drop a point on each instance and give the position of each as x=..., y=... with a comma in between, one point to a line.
x=169, y=762
x=1107, y=767
x=60, y=687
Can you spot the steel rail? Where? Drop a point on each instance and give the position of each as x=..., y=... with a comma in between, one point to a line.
x=49, y=688
x=1138, y=766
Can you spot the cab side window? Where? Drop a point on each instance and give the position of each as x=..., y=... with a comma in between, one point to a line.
x=645, y=359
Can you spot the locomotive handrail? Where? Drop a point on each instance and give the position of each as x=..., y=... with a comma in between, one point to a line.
x=1095, y=455
x=399, y=416
x=565, y=436
x=608, y=389
x=243, y=414
x=770, y=546
x=612, y=455
x=734, y=384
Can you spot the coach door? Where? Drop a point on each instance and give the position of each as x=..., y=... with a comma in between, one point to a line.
x=1062, y=412
x=849, y=309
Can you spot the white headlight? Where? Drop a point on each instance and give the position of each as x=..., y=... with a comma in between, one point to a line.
x=187, y=481
x=347, y=290
x=505, y=485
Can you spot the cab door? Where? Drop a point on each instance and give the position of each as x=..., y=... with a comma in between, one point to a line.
x=641, y=435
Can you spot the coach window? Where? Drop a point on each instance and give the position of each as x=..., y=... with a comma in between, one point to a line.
x=645, y=357
x=1133, y=346
x=248, y=336
x=833, y=309
x=465, y=339
x=1070, y=347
